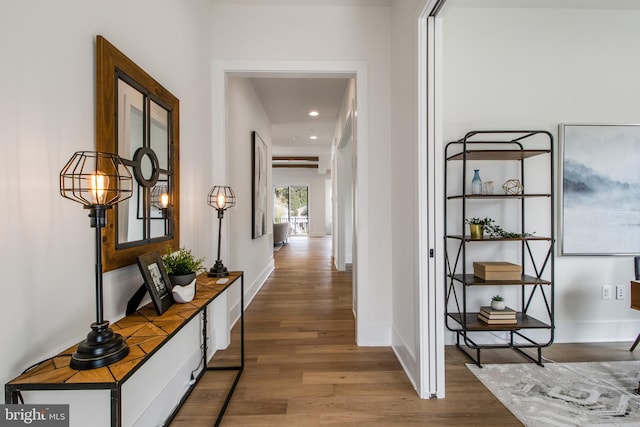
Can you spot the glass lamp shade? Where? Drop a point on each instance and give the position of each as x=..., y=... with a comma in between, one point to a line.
x=160, y=197
x=221, y=197
x=94, y=178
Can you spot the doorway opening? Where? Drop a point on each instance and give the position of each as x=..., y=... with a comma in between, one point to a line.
x=224, y=72
x=291, y=205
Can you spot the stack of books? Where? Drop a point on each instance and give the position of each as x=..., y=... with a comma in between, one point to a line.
x=497, y=317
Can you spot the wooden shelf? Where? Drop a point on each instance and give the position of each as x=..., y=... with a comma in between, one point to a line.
x=471, y=280
x=498, y=154
x=524, y=321
x=498, y=196
x=468, y=238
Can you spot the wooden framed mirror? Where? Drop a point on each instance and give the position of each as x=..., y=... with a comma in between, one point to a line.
x=138, y=119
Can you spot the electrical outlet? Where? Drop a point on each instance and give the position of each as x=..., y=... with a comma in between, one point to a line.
x=606, y=292
x=619, y=291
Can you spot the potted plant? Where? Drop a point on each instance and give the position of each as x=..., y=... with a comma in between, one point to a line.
x=477, y=226
x=497, y=302
x=181, y=265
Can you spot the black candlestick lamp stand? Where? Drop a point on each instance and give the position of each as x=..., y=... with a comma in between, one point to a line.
x=98, y=181
x=220, y=198
x=102, y=346
x=218, y=269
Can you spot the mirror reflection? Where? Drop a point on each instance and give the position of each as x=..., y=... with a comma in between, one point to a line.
x=144, y=143
x=130, y=138
x=138, y=120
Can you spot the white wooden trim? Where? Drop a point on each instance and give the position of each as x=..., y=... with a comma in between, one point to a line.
x=429, y=293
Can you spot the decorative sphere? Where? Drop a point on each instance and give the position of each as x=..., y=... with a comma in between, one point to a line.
x=512, y=187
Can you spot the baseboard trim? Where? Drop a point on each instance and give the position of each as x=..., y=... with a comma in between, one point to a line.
x=251, y=291
x=406, y=358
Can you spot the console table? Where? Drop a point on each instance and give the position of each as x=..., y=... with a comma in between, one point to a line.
x=145, y=332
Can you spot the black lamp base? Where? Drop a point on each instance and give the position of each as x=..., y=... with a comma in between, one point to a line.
x=102, y=347
x=218, y=270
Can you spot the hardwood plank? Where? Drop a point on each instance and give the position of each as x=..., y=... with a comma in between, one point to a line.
x=302, y=366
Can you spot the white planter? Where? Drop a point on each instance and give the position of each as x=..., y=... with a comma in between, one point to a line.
x=497, y=305
x=182, y=294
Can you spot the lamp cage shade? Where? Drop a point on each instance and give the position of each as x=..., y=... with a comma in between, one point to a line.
x=160, y=197
x=95, y=178
x=221, y=197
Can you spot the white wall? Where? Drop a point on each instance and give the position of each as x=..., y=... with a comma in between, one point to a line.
x=316, y=198
x=46, y=114
x=246, y=114
x=294, y=34
x=536, y=68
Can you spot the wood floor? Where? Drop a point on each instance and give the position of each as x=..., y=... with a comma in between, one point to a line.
x=303, y=368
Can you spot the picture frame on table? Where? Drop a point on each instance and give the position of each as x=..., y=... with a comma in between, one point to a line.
x=156, y=281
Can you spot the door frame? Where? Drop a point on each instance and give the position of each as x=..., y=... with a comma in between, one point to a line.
x=430, y=292
x=222, y=69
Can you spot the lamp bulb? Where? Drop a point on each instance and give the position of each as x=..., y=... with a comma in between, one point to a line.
x=221, y=200
x=98, y=185
x=164, y=200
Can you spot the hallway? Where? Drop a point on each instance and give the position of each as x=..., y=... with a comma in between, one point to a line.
x=302, y=364
x=304, y=369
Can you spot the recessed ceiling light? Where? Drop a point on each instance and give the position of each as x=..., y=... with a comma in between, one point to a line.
x=313, y=137
x=313, y=113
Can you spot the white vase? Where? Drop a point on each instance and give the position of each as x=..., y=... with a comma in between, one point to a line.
x=182, y=294
x=497, y=305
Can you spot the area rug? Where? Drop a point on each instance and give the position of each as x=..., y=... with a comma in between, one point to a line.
x=567, y=394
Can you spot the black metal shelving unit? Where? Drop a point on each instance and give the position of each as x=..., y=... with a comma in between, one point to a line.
x=536, y=252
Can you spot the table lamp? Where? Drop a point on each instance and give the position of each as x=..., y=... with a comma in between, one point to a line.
x=221, y=198
x=98, y=181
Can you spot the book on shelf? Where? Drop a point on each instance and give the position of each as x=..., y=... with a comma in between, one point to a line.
x=492, y=321
x=491, y=313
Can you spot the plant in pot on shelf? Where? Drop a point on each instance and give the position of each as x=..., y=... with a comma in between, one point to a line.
x=477, y=226
x=497, y=303
x=181, y=265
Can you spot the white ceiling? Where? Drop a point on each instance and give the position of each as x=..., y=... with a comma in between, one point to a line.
x=548, y=4
x=384, y=3
x=288, y=102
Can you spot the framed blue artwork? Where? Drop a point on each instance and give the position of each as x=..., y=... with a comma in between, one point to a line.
x=599, y=189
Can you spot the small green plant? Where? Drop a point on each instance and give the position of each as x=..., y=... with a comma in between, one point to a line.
x=480, y=221
x=181, y=261
x=493, y=230
x=497, y=298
